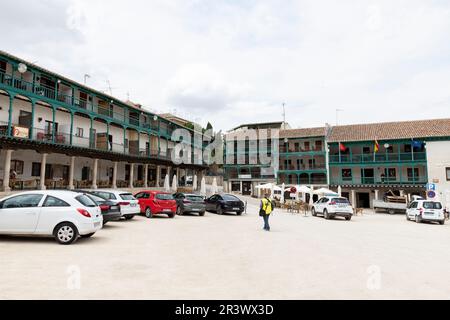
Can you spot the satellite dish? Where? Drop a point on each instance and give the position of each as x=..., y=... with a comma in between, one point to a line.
x=387, y=145
x=155, y=118
x=22, y=67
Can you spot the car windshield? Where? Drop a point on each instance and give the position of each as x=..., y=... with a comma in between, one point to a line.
x=96, y=199
x=341, y=201
x=86, y=201
x=228, y=197
x=127, y=196
x=194, y=198
x=432, y=205
x=105, y=195
x=164, y=196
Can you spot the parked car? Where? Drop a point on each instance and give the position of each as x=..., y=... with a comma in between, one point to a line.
x=222, y=203
x=190, y=203
x=64, y=215
x=110, y=210
x=128, y=204
x=156, y=202
x=331, y=207
x=426, y=210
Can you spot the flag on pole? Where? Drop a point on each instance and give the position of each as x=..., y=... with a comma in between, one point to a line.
x=377, y=146
x=342, y=147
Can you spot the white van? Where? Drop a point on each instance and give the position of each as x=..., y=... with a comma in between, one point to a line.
x=425, y=210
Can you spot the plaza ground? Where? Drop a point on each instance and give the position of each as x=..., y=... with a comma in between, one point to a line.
x=230, y=257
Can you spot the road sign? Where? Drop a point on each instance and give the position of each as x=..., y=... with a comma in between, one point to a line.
x=431, y=194
x=431, y=187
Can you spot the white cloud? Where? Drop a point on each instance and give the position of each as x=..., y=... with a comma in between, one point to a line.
x=231, y=62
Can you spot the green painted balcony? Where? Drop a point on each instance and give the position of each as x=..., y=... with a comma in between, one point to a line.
x=409, y=157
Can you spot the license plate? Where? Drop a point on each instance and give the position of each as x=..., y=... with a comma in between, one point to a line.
x=133, y=205
x=195, y=209
x=114, y=208
x=167, y=210
x=236, y=208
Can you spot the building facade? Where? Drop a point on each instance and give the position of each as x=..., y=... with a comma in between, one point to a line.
x=57, y=133
x=368, y=160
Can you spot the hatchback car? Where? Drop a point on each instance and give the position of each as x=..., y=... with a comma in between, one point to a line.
x=156, y=202
x=426, y=210
x=129, y=206
x=331, y=207
x=222, y=203
x=110, y=210
x=64, y=215
x=190, y=203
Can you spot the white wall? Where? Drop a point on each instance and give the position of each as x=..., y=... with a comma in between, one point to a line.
x=438, y=153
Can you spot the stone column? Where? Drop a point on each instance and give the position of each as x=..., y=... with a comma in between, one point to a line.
x=158, y=176
x=7, y=168
x=146, y=176
x=43, y=165
x=178, y=172
x=71, y=173
x=377, y=194
x=131, y=185
x=95, y=174
x=114, y=182
x=353, y=195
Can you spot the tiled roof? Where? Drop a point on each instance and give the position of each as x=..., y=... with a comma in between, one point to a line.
x=303, y=133
x=391, y=130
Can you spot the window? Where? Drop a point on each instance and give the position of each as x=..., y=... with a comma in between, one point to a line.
x=447, y=170
x=413, y=173
x=79, y=133
x=2, y=66
x=347, y=174
x=51, y=127
x=163, y=196
x=142, y=196
x=86, y=201
x=105, y=195
x=36, y=169
x=52, y=202
x=413, y=205
x=307, y=146
x=17, y=166
x=432, y=205
x=22, y=201
x=366, y=150
x=127, y=196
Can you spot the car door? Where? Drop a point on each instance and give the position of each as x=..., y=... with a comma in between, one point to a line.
x=54, y=211
x=210, y=203
x=319, y=205
x=411, y=211
x=20, y=214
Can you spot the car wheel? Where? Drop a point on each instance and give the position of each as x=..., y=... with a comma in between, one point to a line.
x=219, y=210
x=148, y=213
x=313, y=212
x=239, y=213
x=66, y=233
x=348, y=218
x=418, y=219
x=179, y=211
x=129, y=217
x=442, y=222
x=326, y=215
x=88, y=235
x=202, y=214
x=391, y=212
x=171, y=215
x=407, y=217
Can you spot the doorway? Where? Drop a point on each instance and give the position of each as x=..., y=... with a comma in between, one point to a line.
x=363, y=200
x=247, y=188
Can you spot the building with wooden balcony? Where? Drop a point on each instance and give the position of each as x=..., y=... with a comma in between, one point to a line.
x=365, y=160
x=58, y=133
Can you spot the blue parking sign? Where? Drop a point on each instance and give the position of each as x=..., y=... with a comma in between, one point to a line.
x=431, y=187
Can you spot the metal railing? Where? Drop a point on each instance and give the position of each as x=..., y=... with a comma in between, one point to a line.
x=378, y=158
x=417, y=180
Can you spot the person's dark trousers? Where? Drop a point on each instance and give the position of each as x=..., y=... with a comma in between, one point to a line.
x=266, y=222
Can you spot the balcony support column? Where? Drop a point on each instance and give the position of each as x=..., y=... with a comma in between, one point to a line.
x=158, y=176
x=353, y=199
x=33, y=110
x=109, y=146
x=6, y=171
x=114, y=181
x=95, y=174
x=10, y=112
x=146, y=175
x=53, y=123
x=131, y=182
x=124, y=140
x=377, y=194
x=71, y=173
x=71, y=128
x=43, y=168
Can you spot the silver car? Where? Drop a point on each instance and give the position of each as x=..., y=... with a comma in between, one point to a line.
x=190, y=203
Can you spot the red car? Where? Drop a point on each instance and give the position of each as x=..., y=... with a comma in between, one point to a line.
x=156, y=202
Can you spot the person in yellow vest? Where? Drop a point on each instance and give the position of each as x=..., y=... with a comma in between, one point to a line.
x=266, y=210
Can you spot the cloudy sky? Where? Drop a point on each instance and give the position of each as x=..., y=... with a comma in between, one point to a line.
x=237, y=61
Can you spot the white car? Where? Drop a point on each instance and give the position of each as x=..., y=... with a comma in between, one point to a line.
x=128, y=204
x=426, y=210
x=65, y=215
x=331, y=207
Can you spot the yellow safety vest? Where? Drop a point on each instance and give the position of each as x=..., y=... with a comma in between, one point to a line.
x=267, y=206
